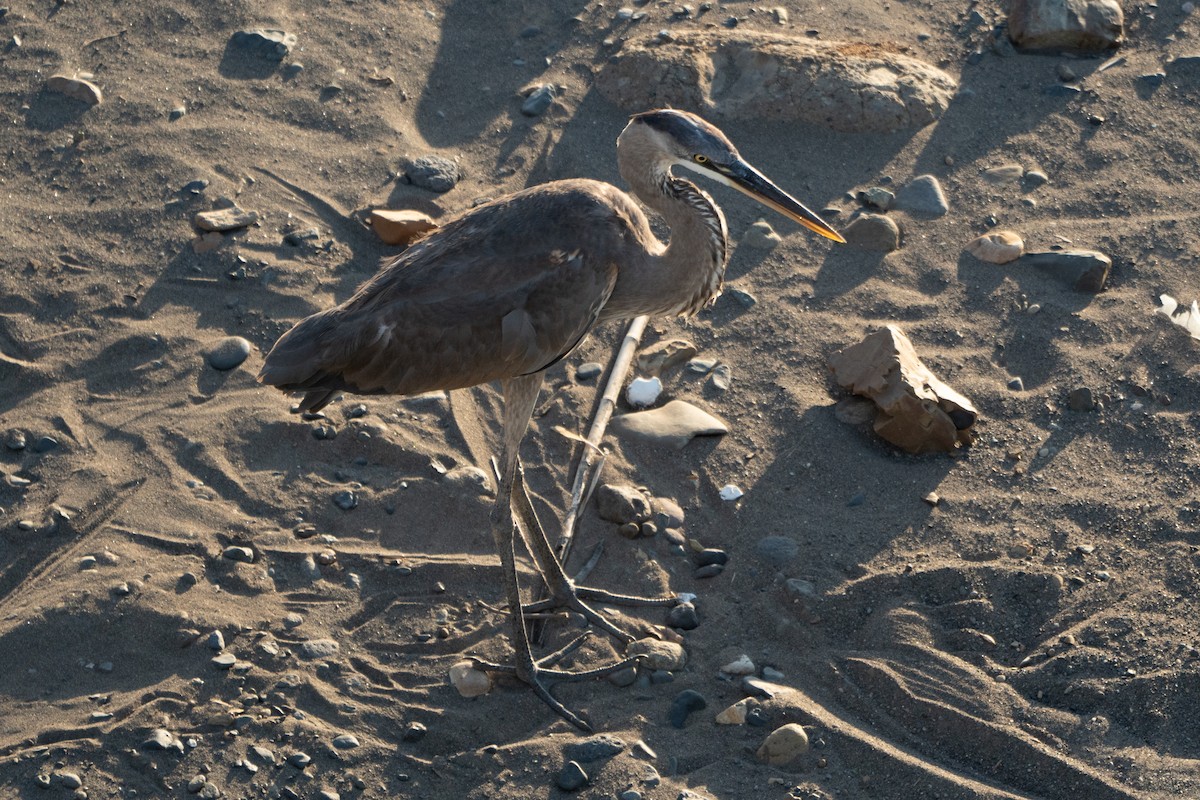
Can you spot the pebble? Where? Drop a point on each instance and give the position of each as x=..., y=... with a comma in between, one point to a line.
x=783, y=744
x=874, y=232
x=346, y=500
x=663, y=357
x=877, y=197
x=314, y=649
x=684, y=705
x=744, y=298
x=1081, y=399
x=760, y=235
x=299, y=759
x=223, y=220
x=589, y=371
x=415, y=732
x=399, y=227
x=538, y=99
x=1087, y=269
x=345, y=741
x=71, y=780
x=659, y=654
x=701, y=366
x=667, y=512
x=196, y=783
x=83, y=90
x=683, y=617
x=595, y=748
x=469, y=680
x=45, y=444
x=922, y=195
x=643, y=392
x=622, y=503
x=674, y=424
x=630, y=794
x=87, y=563
x=711, y=555
x=571, y=777
x=435, y=173
x=734, y=714
x=1089, y=26
x=161, y=739
x=224, y=661
x=721, y=377
x=710, y=571
x=772, y=674
x=14, y=439
x=798, y=587
x=216, y=641
x=293, y=621
x=263, y=754
x=1034, y=179
x=623, y=677
x=997, y=247
x=729, y=492
x=243, y=554
x=229, y=353
x=778, y=551
x=268, y=43
x=1016, y=384
x=742, y=665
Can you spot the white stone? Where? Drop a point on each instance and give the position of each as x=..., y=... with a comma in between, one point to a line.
x=742, y=665
x=643, y=392
x=730, y=492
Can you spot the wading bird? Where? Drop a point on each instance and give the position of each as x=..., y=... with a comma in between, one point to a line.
x=508, y=289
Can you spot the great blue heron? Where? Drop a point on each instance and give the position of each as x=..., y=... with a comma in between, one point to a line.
x=508, y=289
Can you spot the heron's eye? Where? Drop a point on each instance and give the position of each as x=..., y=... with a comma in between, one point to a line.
x=700, y=159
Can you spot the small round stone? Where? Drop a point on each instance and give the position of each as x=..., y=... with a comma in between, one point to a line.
x=243, y=554
x=345, y=741
x=709, y=571
x=71, y=780
x=229, y=353
x=45, y=444
x=299, y=759
x=589, y=371
x=224, y=661
x=783, y=745
x=684, y=617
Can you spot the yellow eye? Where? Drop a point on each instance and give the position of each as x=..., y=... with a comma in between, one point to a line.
x=700, y=159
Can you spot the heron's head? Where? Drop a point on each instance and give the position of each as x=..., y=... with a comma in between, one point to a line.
x=682, y=139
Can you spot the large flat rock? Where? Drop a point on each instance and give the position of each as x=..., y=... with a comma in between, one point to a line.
x=847, y=86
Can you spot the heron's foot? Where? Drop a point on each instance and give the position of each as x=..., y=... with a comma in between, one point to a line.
x=571, y=597
x=536, y=672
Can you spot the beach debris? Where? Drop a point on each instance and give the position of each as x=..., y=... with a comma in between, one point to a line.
x=77, y=87
x=229, y=353
x=783, y=744
x=1087, y=270
x=622, y=503
x=469, y=680
x=401, y=226
x=1186, y=317
x=1087, y=25
x=730, y=492
x=847, y=86
x=537, y=99
x=922, y=195
x=435, y=173
x=225, y=219
x=761, y=236
x=674, y=424
x=874, y=232
x=658, y=654
x=916, y=411
x=684, y=705
x=997, y=247
x=271, y=44
x=643, y=392
x=663, y=357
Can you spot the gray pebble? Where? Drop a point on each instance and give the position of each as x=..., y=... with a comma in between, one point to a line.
x=14, y=439
x=757, y=716
x=877, y=197
x=622, y=503
x=589, y=371
x=684, y=704
x=263, y=754
x=345, y=500
x=661, y=676
x=571, y=777
x=594, y=748
x=161, y=739
x=874, y=232
x=630, y=794
x=435, y=173
x=684, y=617
x=777, y=550
x=299, y=759
x=744, y=298
x=216, y=641
x=318, y=648
x=701, y=366
x=415, y=732
x=87, y=563
x=623, y=677
x=324, y=432
x=922, y=195
x=71, y=780
x=243, y=554
x=538, y=100
x=345, y=741
x=45, y=444
x=711, y=571
x=224, y=661
x=196, y=783
x=1081, y=399
x=268, y=43
x=229, y=353
x=293, y=621
x=721, y=377
x=1016, y=384
x=798, y=587
x=195, y=187
x=711, y=555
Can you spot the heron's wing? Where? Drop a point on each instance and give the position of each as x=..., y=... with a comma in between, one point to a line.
x=465, y=306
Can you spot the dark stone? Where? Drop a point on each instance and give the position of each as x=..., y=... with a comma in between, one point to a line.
x=571, y=777
x=711, y=556
x=345, y=500
x=684, y=617
x=414, y=733
x=711, y=571
x=537, y=101
x=268, y=43
x=1087, y=270
x=777, y=550
x=1081, y=399
x=435, y=173
x=684, y=704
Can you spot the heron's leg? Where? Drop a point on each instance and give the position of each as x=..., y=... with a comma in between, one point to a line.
x=563, y=591
x=520, y=394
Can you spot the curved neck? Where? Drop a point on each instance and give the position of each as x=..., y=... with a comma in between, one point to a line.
x=692, y=265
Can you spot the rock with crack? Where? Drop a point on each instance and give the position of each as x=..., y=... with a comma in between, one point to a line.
x=847, y=86
x=915, y=410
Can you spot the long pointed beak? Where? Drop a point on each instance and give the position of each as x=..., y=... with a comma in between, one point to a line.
x=754, y=184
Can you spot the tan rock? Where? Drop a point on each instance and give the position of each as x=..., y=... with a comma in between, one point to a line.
x=80, y=89
x=663, y=357
x=675, y=424
x=400, y=226
x=916, y=411
x=997, y=247
x=659, y=655
x=784, y=744
x=225, y=219
x=735, y=714
x=469, y=680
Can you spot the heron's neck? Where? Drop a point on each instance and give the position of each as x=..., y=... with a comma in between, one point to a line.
x=691, y=267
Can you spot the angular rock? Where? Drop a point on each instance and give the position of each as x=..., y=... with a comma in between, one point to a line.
x=759, y=76
x=399, y=227
x=1088, y=25
x=1086, y=270
x=675, y=424
x=662, y=357
x=742, y=665
x=997, y=247
x=267, y=43
x=83, y=90
x=318, y=648
x=875, y=232
x=734, y=714
x=1005, y=173
x=225, y=219
x=922, y=195
x=917, y=412
x=538, y=100
x=783, y=744
x=622, y=503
